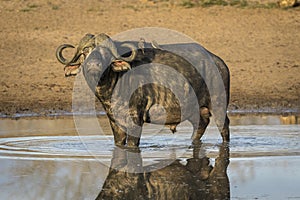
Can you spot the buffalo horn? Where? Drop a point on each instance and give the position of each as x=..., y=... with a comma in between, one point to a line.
x=59, y=51
x=105, y=40
x=133, y=52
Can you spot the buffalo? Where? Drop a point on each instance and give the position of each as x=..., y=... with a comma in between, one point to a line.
x=139, y=82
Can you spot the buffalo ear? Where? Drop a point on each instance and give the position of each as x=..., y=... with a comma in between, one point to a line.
x=120, y=66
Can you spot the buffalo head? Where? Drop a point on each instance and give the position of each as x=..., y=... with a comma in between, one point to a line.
x=86, y=45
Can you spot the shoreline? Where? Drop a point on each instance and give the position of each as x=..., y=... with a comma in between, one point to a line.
x=61, y=113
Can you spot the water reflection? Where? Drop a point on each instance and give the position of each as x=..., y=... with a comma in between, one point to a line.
x=50, y=179
x=45, y=159
x=197, y=178
x=290, y=119
x=264, y=119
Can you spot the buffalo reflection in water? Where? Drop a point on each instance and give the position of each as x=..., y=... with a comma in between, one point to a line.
x=197, y=179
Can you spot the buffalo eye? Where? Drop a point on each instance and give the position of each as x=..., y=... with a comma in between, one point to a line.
x=86, y=50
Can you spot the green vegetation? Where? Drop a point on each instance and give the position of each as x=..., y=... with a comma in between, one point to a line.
x=207, y=3
x=202, y=3
x=132, y=7
x=34, y=7
x=29, y=7
x=53, y=6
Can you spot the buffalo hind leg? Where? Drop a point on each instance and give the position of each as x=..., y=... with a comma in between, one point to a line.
x=222, y=122
x=225, y=130
x=203, y=123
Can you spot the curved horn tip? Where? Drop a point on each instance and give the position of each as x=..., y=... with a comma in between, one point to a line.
x=59, y=51
x=133, y=52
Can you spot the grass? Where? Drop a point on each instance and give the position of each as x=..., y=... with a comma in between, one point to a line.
x=53, y=6
x=235, y=3
x=33, y=7
x=132, y=7
x=29, y=7
x=203, y=3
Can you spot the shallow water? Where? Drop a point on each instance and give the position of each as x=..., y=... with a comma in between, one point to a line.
x=51, y=158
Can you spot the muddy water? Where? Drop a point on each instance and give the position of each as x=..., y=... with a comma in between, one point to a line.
x=51, y=158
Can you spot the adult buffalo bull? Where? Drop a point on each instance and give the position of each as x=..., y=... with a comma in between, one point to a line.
x=139, y=82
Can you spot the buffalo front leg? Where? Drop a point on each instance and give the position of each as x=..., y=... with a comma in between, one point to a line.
x=134, y=136
x=119, y=134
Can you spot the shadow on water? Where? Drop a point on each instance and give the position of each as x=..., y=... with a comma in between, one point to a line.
x=196, y=179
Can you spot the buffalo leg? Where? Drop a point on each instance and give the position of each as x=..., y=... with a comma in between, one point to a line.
x=119, y=134
x=134, y=129
x=222, y=122
x=225, y=130
x=201, y=129
x=134, y=135
x=203, y=123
